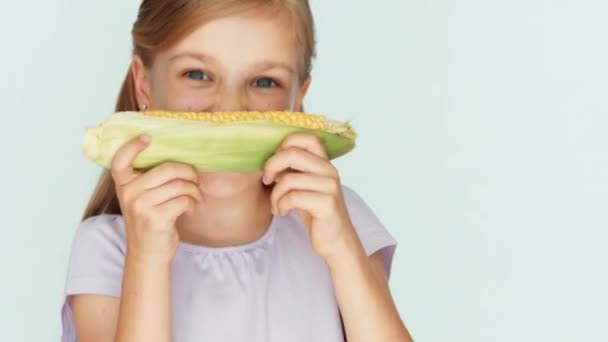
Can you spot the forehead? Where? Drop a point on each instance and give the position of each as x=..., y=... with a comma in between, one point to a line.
x=242, y=39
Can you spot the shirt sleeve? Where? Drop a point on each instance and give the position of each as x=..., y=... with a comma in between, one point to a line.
x=373, y=234
x=97, y=257
x=95, y=264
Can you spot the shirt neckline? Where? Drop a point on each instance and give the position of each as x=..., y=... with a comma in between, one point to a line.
x=189, y=247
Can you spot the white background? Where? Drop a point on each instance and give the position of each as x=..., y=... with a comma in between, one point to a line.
x=483, y=135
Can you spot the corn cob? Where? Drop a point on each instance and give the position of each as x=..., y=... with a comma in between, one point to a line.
x=219, y=141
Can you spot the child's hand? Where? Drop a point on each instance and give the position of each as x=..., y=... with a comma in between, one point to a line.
x=314, y=190
x=152, y=201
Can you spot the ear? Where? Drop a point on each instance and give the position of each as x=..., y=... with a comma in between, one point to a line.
x=302, y=94
x=142, y=82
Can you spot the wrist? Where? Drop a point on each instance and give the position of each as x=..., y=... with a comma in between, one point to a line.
x=347, y=250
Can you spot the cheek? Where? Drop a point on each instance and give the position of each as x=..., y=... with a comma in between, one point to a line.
x=192, y=99
x=170, y=93
x=175, y=97
x=279, y=100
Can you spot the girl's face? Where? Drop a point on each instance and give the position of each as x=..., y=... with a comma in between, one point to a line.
x=234, y=63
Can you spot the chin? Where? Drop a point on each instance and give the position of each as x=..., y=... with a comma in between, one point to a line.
x=228, y=184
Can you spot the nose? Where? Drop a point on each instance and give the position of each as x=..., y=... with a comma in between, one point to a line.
x=233, y=99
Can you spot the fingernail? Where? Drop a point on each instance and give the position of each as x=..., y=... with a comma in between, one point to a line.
x=265, y=180
x=144, y=138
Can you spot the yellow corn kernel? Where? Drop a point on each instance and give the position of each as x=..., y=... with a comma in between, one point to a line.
x=301, y=120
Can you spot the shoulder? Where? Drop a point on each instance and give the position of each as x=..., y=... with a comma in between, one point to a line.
x=360, y=211
x=97, y=256
x=353, y=200
x=374, y=235
x=98, y=248
x=104, y=229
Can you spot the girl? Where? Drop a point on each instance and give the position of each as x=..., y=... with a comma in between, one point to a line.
x=176, y=255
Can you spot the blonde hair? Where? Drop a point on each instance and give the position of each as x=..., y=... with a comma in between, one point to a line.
x=161, y=24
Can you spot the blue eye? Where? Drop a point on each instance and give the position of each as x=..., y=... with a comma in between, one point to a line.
x=197, y=75
x=265, y=83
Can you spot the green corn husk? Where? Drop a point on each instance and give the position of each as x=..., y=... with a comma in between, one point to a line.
x=238, y=144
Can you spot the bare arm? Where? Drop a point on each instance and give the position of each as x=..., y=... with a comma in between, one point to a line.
x=315, y=191
x=364, y=298
x=150, y=202
x=145, y=305
x=95, y=317
x=141, y=314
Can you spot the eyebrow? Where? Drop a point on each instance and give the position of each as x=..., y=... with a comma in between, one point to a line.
x=268, y=64
x=262, y=65
x=200, y=56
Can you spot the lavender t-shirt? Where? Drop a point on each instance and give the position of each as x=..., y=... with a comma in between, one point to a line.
x=273, y=289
